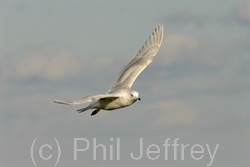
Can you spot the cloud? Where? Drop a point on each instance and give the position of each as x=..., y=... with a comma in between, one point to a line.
x=242, y=12
x=176, y=113
x=56, y=63
x=61, y=65
x=174, y=46
x=211, y=83
x=197, y=65
x=182, y=48
x=186, y=17
x=239, y=14
x=45, y=66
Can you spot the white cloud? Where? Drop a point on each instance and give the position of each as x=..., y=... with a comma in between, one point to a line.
x=239, y=14
x=242, y=11
x=186, y=17
x=61, y=65
x=57, y=65
x=175, y=45
x=211, y=83
x=175, y=113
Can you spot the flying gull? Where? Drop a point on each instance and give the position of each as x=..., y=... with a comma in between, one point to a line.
x=120, y=94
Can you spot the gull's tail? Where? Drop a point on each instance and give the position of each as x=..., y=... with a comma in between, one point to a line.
x=85, y=109
x=91, y=106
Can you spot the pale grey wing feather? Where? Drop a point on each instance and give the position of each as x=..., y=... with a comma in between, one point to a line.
x=142, y=59
x=86, y=99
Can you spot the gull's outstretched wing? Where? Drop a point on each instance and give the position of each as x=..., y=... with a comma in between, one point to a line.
x=86, y=99
x=142, y=59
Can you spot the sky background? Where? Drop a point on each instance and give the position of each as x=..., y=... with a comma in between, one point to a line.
x=197, y=88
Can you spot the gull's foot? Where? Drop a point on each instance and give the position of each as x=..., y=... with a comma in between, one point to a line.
x=95, y=112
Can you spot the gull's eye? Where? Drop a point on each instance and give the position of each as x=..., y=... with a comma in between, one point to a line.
x=131, y=95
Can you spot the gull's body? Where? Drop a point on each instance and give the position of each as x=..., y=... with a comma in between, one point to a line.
x=120, y=94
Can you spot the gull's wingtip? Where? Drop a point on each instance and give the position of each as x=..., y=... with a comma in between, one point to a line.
x=158, y=29
x=55, y=101
x=159, y=25
x=59, y=102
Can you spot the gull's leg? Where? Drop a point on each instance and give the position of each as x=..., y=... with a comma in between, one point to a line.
x=95, y=112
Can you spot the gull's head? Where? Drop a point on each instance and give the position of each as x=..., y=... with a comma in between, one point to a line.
x=134, y=95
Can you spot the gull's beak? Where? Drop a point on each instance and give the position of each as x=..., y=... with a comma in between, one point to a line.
x=139, y=98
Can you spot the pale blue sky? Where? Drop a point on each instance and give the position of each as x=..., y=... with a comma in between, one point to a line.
x=197, y=89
